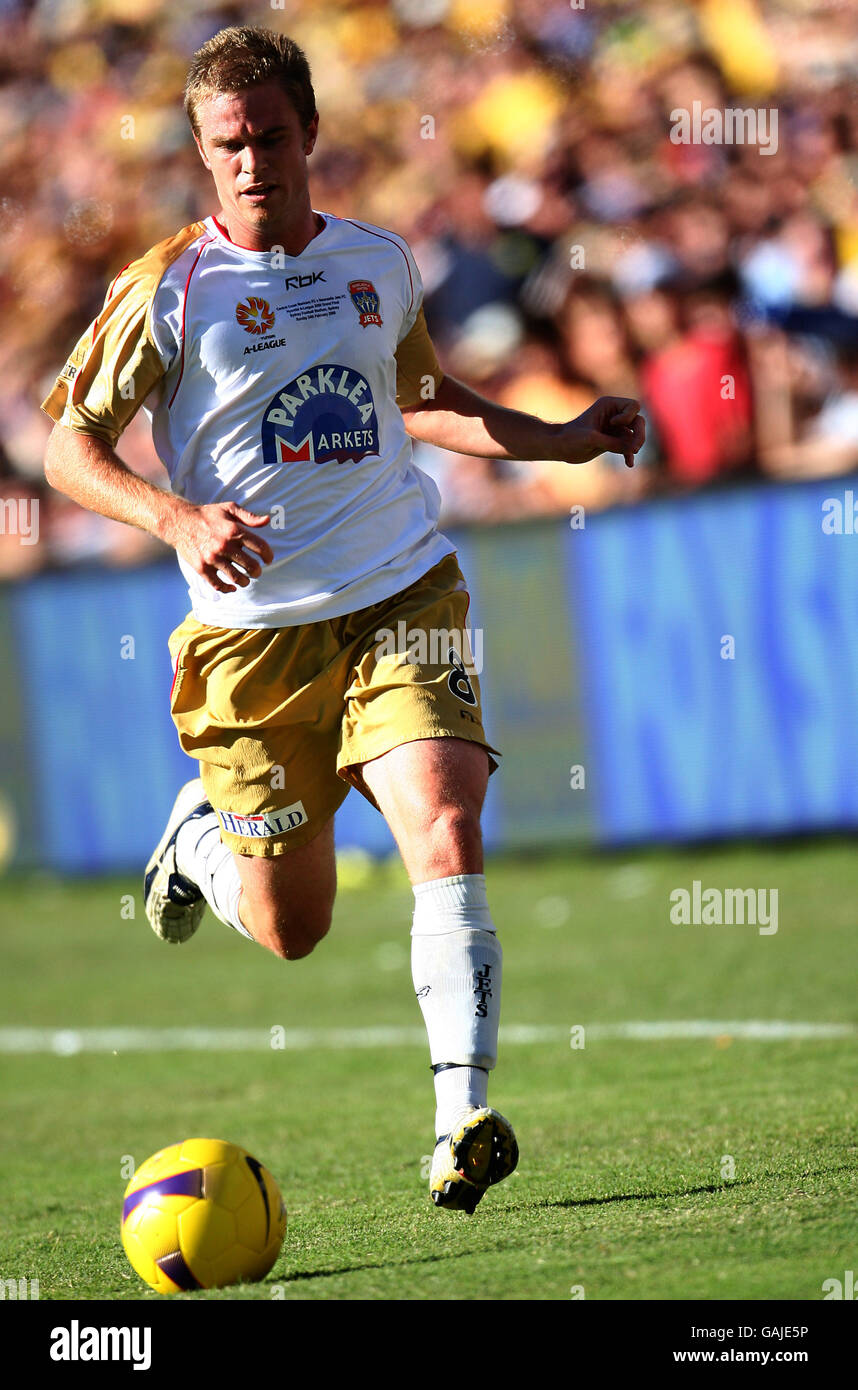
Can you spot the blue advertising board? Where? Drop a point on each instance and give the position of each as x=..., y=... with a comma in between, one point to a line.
x=678, y=670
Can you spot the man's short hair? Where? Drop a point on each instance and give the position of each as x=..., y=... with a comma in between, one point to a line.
x=241, y=57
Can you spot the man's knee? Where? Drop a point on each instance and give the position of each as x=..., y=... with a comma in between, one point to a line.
x=452, y=831
x=291, y=933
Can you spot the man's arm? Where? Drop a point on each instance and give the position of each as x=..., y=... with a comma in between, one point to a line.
x=464, y=422
x=211, y=538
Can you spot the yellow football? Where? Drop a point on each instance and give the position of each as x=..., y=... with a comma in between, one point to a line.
x=202, y=1214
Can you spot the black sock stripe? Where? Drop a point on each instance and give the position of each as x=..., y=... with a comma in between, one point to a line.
x=445, y=1066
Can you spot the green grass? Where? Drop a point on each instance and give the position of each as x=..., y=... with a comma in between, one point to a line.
x=620, y=1187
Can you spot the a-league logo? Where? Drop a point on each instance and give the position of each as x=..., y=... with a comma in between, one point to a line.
x=255, y=315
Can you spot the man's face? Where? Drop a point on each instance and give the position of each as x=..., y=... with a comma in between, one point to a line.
x=256, y=149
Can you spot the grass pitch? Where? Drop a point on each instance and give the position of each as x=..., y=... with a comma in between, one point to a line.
x=688, y=1168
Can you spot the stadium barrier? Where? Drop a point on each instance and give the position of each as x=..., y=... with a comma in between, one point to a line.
x=682, y=669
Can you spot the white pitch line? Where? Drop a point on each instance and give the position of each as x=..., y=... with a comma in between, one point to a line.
x=67, y=1042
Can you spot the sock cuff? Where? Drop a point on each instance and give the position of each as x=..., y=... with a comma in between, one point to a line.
x=457, y=891
x=455, y=904
x=189, y=839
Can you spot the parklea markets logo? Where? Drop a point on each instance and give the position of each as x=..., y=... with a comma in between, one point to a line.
x=325, y=415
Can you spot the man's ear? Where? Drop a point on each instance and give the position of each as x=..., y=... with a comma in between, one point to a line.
x=202, y=153
x=311, y=133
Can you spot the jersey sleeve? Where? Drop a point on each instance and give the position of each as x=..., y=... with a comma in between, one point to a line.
x=115, y=364
x=416, y=364
x=416, y=360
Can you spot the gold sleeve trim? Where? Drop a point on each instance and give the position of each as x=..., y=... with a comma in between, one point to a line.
x=115, y=364
x=415, y=361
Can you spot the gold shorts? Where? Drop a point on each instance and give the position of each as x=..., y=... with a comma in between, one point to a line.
x=281, y=719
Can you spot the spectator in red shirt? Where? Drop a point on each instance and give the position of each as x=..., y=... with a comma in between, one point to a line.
x=698, y=389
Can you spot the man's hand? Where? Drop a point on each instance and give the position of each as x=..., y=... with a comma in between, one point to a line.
x=610, y=425
x=460, y=420
x=217, y=536
x=217, y=539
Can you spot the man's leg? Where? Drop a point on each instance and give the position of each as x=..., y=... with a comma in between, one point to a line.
x=431, y=793
x=282, y=901
x=287, y=900
x=259, y=711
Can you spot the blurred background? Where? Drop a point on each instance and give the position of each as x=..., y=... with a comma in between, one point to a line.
x=677, y=660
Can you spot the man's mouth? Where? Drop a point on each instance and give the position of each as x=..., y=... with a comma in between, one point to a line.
x=258, y=192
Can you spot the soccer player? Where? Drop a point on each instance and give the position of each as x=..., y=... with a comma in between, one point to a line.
x=283, y=358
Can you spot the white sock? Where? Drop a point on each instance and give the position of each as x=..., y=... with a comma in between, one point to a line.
x=202, y=857
x=457, y=1091
x=456, y=967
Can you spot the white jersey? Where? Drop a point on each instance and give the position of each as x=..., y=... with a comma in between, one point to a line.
x=276, y=382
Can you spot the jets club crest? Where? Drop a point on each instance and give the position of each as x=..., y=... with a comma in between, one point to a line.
x=326, y=415
x=366, y=301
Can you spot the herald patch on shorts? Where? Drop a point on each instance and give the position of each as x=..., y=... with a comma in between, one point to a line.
x=267, y=824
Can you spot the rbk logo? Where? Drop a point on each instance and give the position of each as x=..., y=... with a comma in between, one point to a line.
x=303, y=282
x=482, y=991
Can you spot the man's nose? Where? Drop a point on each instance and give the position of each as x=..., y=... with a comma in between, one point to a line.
x=253, y=159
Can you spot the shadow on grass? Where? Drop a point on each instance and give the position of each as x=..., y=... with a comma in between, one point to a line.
x=645, y=1196
x=529, y=1206
x=705, y=1188
x=381, y=1264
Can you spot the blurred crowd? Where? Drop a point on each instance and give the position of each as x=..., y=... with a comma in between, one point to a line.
x=569, y=246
